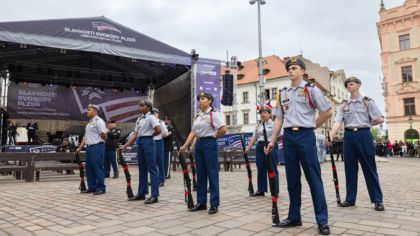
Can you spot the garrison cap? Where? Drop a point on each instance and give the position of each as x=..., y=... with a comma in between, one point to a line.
x=146, y=103
x=155, y=110
x=352, y=79
x=93, y=106
x=265, y=108
x=204, y=94
x=295, y=61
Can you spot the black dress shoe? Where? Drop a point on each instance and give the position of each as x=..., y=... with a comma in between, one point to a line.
x=88, y=191
x=99, y=192
x=151, y=200
x=289, y=223
x=213, y=210
x=137, y=198
x=379, y=207
x=347, y=204
x=258, y=194
x=161, y=184
x=198, y=207
x=323, y=229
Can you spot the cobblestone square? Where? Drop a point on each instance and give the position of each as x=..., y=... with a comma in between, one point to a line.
x=54, y=206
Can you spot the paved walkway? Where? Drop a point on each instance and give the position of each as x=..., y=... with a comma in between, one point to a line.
x=54, y=206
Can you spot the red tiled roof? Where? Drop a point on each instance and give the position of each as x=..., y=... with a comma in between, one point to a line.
x=248, y=73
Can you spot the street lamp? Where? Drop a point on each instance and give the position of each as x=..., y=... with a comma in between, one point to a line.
x=410, y=121
x=260, y=59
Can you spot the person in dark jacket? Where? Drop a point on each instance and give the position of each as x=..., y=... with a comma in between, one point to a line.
x=11, y=132
x=111, y=145
x=32, y=127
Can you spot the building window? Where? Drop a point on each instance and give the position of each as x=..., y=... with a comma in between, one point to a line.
x=407, y=74
x=404, y=42
x=409, y=106
x=245, y=97
x=267, y=94
x=227, y=120
x=246, y=118
x=274, y=93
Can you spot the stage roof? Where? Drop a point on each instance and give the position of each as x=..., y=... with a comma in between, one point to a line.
x=92, y=51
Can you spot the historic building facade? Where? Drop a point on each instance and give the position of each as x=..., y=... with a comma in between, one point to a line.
x=399, y=36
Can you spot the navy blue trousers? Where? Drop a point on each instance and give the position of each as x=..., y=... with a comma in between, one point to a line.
x=207, y=165
x=110, y=160
x=300, y=149
x=262, y=166
x=159, y=160
x=166, y=161
x=95, y=173
x=146, y=155
x=359, y=146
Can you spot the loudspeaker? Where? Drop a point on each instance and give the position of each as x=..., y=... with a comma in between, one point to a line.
x=227, y=98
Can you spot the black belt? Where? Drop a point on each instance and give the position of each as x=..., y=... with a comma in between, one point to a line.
x=297, y=128
x=204, y=138
x=259, y=142
x=356, y=129
x=150, y=136
x=89, y=145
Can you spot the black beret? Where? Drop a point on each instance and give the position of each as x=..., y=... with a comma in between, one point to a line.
x=352, y=79
x=295, y=61
x=206, y=95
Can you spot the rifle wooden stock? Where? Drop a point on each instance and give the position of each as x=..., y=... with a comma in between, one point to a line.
x=334, y=170
x=82, y=185
x=187, y=180
x=273, y=185
x=123, y=163
x=193, y=172
x=248, y=167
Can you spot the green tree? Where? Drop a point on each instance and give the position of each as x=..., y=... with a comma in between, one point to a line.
x=376, y=133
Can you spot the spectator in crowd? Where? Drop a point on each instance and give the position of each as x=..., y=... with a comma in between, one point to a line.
x=379, y=149
x=12, y=132
x=390, y=147
x=395, y=148
x=66, y=146
x=4, y=116
x=32, y=127
x=410, y=149
x=404, y=148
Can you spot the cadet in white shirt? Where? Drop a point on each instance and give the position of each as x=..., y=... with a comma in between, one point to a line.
x=296, y=111
x=359, y=114
x=159, y=148
x=95, y=135
x=207, y=127
x=147, y=126
x=258, y=136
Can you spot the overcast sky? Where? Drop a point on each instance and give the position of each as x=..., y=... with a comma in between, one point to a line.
x=335, y=33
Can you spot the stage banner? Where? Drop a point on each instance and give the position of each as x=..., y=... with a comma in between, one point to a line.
x=31, y=148
x=208, y=79
x=34, y=101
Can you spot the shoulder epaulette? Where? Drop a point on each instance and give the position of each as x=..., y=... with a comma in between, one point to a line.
x=309, y=84
x=285, y=88
x=367, y=98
